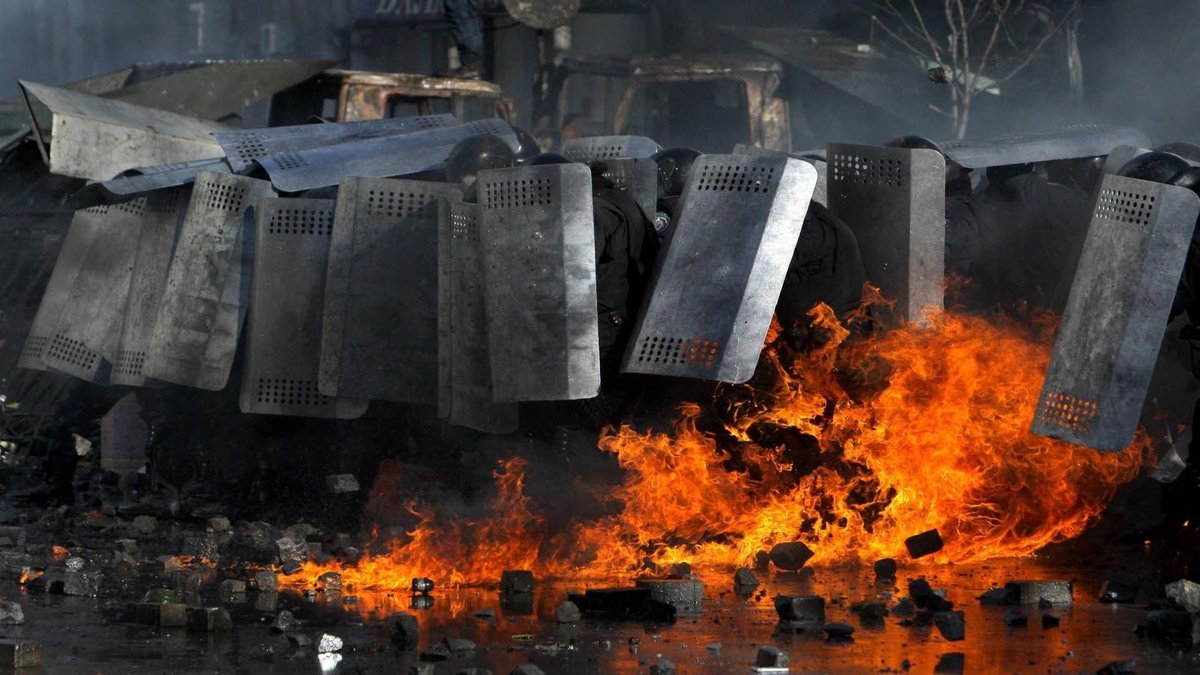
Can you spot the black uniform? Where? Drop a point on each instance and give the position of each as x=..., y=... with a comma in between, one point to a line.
x=826, y=267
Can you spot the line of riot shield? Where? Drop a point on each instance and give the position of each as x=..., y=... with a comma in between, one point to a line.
x=715, y=284
x=814, y=157
x=540, y=268
x=1081, y=140
x=894, y=200
x=283, y=330
x=464, y=362
x=1117, y=312
x=592, y=148
x=145, y=179
x=204, y=303
x=380, y=321
x=638, y=177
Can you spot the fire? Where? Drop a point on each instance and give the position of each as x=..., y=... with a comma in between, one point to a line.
x=849, y=447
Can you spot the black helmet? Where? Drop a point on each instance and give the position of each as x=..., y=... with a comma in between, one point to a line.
x=1188, y=178
x=544, y=158
x=476, y=154
x=1159, y=167
x=674, y=167
x=913, y=143
x=527, y=145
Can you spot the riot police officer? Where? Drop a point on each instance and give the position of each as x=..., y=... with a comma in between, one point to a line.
x=475, y=154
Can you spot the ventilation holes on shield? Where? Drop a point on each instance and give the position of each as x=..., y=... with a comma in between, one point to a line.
x=35, y=346
x=1066, y=411
x=96, y=210
x=130, y=362
x=134, y=208
x=733, y=178
x=868, y=170
x=517, y=193
x=463, y=227
x=249, y=149
x=290, y=160
x=428, y=122
x=279, y=391
x=317, y=222
x=220, y=197
x=396, y=204
x=163, y=202
x=679, y=351
x=1125, y=207
x=72, y=351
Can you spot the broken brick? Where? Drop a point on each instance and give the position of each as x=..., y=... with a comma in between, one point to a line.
x=791, y=555
x=921, y=545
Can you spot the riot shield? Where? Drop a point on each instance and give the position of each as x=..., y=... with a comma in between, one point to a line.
x=592, y=148
x=464, y=364
x=204, y=301
x=814, y=157
x=1115, y=317
x=79, y=321
x=380, y=319
x=894, y=201
x=638, y=177
x=540, y=269
x=283, y=330
x=156, y=243
x=716, y=282
x=1120, y=155
x=244, y=147
x=292, y=171
x=145, y=179
x=1081, y=140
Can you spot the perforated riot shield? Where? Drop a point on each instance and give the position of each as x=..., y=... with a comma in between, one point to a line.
x=292, y=171
x=204, y=302
x=1115, y=317
x=283, y=330
x=540, y=269
x=156, y=243
x=716, y=283
x=145, y=179
x=80, y=318
x=894, y=199
x=464, y=363
x=244, y=147
x=814, y=157
x=592, y=148
x=638, y=177
x=1081, y=140
x=380, y=320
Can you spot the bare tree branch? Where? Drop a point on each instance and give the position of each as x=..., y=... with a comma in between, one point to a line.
x=1041, y=43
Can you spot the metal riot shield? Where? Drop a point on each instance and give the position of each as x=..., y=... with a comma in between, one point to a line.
x=381, y=299
x=244, y=147
x=1120, y=155
x=814, y=157
x=894, y=201
x=540, y=269
x=1115, y=317
x=283, y=341
x=715, y=284
x=592, y=148
x=638, y=177
x=292, y=171
x=80, y=318
x=156, y=243
x=1081, y=140
x=464, y=364
x=204, y=302
x=145, y=179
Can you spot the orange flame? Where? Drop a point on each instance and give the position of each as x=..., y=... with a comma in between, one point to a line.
x=922, y=427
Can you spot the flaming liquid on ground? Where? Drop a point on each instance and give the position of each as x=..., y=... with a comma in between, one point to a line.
x=917, y=428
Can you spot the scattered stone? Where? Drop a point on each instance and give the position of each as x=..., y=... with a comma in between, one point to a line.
x=75, y=564
x=1123, y=667
x=298, y=640
x=904, y=609
x=218, y=524
x=1050, y=621
x=1116, y=591
x=1170, y=625
x=330, y=581
x=770, y=656
x=791, y=555
x=810, y=608
x=232, y=591
x=568, y=612
x=762, y=561
x=284, y=622
x=999, y=596
x=11, y=613
x=15, y=565
x=925, y=597
x=329, y=644
x=870, y=612
x=685, y=595
x=422, y=585
x=291, y=549
x=209, y=619
x=18, y=654
x=342, y=483
x=1057, y=593
x=162, y=615
x=290, y=567
x=954, y=662
x=405, y=630
x=921, y=545
x=527, y=669
x=885, y=569
x=516, y=581
x=664, y=666
x=1185, y=594
x=485, y=613
x=122, y=561
x=744, y=580
x=267, y=601
x=266, y=581
x=839, y=632
x=81, y=584
x=145, y=524
x=1015, y=618
x=951, y=625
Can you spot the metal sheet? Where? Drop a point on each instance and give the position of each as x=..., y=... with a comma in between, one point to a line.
x=540, y=268
x=156, y=242
x=814, y=157
x=204, y=303
x=464, y=363
x=638, y=177
x=380, y=319
x=894, y=201
x=97, y=139
x=148, y=178
x=592, y=148
x=715, y=285
x=375, y=158
x=1113, y=325
x=80, y=319
x=1082, y=140
x=244, y=147
x=283, y=342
